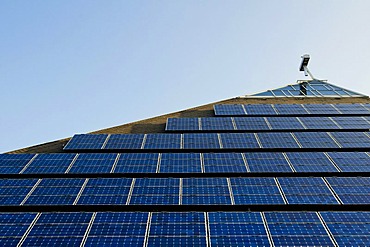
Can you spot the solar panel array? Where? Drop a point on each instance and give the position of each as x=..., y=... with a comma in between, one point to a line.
x=254, y=175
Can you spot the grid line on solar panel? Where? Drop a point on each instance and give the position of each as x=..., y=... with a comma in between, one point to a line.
x=201, y=141
x=351, y=122
x=283, y=123
x=13, y=191
x=13, y=226
x=321, y=109
x=315, y=140
x=351, y=190
x=351, y=139
x=90, y=141
x=261, y=109
x=162, y=141
x=277, y=140
x=355, y=108
x=229, y=110
x=180, y=162
x=290, y=109
x=137, y=163
x=267, y=162
x=310, y=162
x=93, y=163
x=238, y=140
x=125, y=141
x=216, y=123
x=49, y=163
x=351, y=161
x=309, y=190
x=251, y=123
x=182, y=124
x=318, y=123
x=14, y=163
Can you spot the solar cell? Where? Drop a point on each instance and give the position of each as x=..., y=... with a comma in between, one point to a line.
x=315, y=140
x=13, y=226
x=310, y=162
x=277, y=140
x=238, y=140
x=125, y=141
x=267, y=162
x=182, y=124
x=95, y=141
x=351, y=190
x=163, y=141
x=93, y=163
x=201, y=141
x=352, y=108
x=290, y=109
x=318, y=123
x=180, y=163
x=224, y=162
x=13, y=191
x=352, y=139
x=326, y=109
x=283, y=123
x=308, y=190
x=251, y=123
x=217, y=123
x=228, y=110
x=352, y=122
x=13, y=163
x=50, y=163
x=351, y=161
x=137, y=163
x=260, y=109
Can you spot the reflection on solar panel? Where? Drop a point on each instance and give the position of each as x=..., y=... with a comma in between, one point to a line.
x=351, y=161
x=251, y=123
x=137, y=163
x=217, y=123
x=86, y=142
x=239, y=140
x=229, y=110
x=297, y=229
x=106, y=191
x=311, y=162
x=315, y=140
x=224, y=162
x=13, y=163
x=198, y=191
x=182, y=124
x=13, y=191
x=260, y=110
x=60, y=229
x=267, y=162
x=352, y=139
x=277, y=140
x=237, y=229
x=355, y=190
x=255, y=191
x=349, y=228
x=55, y=192
x=282, y=123
x=201, y=141
x=133, y=141
x=162, y=141
x=156, y=191
x=180, y=163
x=177, y=229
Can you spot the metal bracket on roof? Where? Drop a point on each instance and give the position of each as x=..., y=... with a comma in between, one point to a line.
x=304, y=64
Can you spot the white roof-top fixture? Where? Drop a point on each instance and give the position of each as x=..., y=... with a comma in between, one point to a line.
x=304, y=64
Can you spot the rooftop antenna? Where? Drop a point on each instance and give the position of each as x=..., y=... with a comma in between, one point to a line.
x=304, y=64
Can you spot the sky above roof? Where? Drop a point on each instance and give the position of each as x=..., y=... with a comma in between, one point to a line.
x=71, y=67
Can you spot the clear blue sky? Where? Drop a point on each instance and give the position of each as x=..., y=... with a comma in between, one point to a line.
x=71, y=67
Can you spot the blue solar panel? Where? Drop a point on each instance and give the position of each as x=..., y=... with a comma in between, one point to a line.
x=352, y=139
x=155, y=191
x=260, y=109
x=349, y=228
x=163, y=141
x=93, y=163
x=352, y=108
x=290, y=109
x=13, y=226
x=13, y=191
x=267, y=162
x=277, y=140
x=297, y=229
x=251, y=123
x=201, y=141
x=352, y=122
x=315, y=140
x=351, y=190
x=198, y=191
x=13, y=163
x=180, y=162
x=217, y=123
x=282, y=123
x=182, y=124
x=137, y=163
x=86, y=142
x=65, y=229
x=311, y=162
x=50, y=163
x=228, y=110
x=125, y=141
x=255, y=191
x=351, y=161
x=239, y=140
x=307, y=190
x=321, y=109
x=224, y=162
x=318, y=123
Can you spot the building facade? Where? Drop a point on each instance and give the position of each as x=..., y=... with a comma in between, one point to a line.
x=285, y=167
